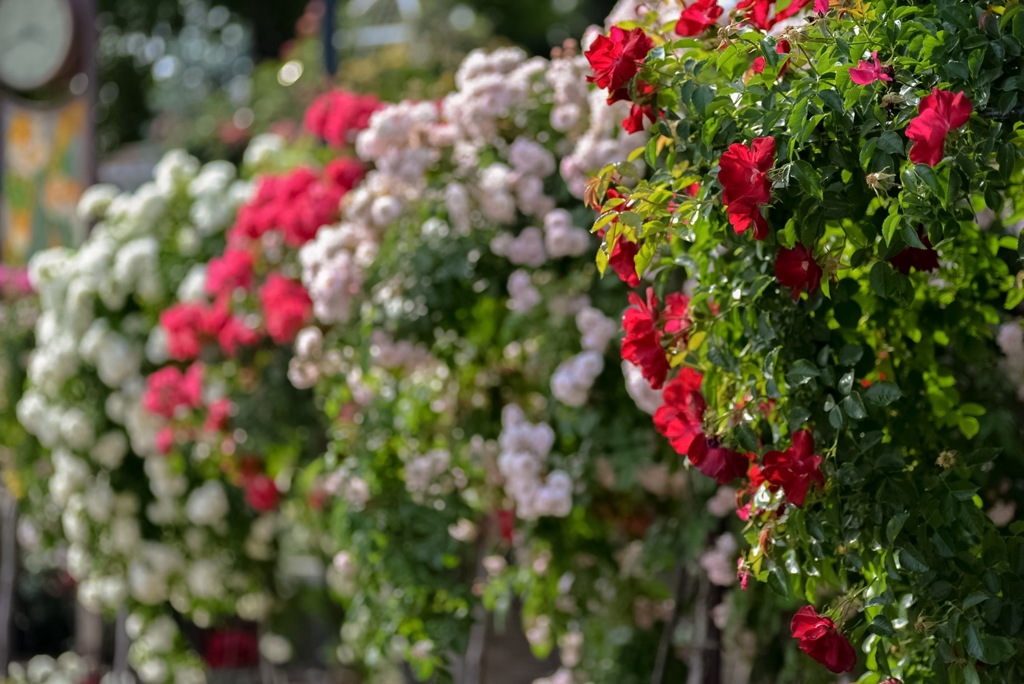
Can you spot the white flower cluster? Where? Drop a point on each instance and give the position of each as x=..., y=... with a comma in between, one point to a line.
x=84, y=402
x=156, y=653
x=334, y=263
x=1011, y=341
x=409, y=143
x=720, y=561
x=572, y=380
x=424, y=475
x=525, y=447
x=68, y=668
x=647, y=400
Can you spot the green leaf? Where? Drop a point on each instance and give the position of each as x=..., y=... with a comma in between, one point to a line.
x=895, y=524
x=973, y=643
x=882, y=394
x=747, y=438
x=802, y=372
x=882, y=627
x=974, y=599
x=846, y=382
x=969, y=426
x=891, y=142
x=850, y=354
x=807, y=177
x=835, y=418
x=996, y=649
x=911, y=561
x=854, y=407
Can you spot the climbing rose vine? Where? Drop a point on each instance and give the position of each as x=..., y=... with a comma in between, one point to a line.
x=838, y=189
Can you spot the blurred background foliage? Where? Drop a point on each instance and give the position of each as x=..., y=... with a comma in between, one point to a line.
x=209, y=76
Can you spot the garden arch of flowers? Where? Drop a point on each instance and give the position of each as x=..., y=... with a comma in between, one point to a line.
x=697, y=349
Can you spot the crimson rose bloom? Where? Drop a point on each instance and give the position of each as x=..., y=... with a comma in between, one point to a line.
x=781, y=48
x=616, y=58
x=821, y=6
x=261, y=493
x=286, y=307
x=232, y=648
x=338, y=115
x=698, y=17
x=796, y=268
x=756, y=12
x=820, y=639
x=716, y=461
x=795, y=469
x=926, y=259
x=681, y=416
x=745, y=184
x=226, y=273
x=865, y=72
x=939, y=113
x=623, y=261
x=642, y=344
x=168, y=389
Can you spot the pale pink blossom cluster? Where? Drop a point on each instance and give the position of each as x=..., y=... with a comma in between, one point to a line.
x=572, y=380
x=424, y=475
x=522, y=295
x=525, y=447
x=720, y=561
x=1011, y=341
x=646, y=399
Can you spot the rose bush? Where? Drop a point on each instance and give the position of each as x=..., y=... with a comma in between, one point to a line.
x=835, y=187
x=143, y=528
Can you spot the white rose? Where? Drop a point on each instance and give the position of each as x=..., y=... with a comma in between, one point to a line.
x=94, y=202
x=207, y=505
x=110, y=449
x=204, y=579
x=193, y=286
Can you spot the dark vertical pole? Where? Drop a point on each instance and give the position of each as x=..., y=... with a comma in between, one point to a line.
x=330, y=52
x=8, y=574
x=92, y=71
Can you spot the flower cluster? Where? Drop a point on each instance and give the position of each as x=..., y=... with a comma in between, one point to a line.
x=818, y=370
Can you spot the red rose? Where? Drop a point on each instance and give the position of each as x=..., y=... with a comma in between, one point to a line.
x=217, y=414
x=795, y=469
x=298, y=204
x=642, y=344
x=168, y=389
x=866, y=73
x=165, y=440
x=623, y=261
x=677, y=314
x=820, y=639
x=821, y=6
x=616, y=58
x=232, y=649
x=344, y=173
x=797, y=269
x=229, y=272
x=745, y=184
x=338, y=115
x=233, y=333
x=756, y=12
x=680, y=418
x=261, y=493
x=939, y=113
x=782, y=48
x=926, y=259
x=717, y=462
x=182, y=323
x=698, y=17
x=286, y=307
